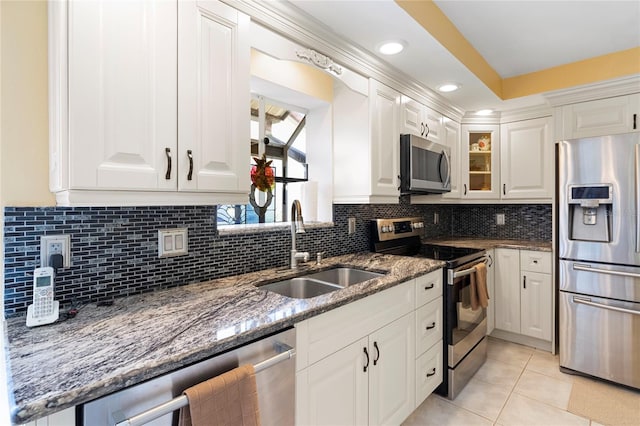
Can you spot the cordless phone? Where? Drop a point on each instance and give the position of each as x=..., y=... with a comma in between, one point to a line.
x=44, y=309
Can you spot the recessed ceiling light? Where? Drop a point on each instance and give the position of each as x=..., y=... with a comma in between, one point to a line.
x=391, y=47
x=449, y=87
x=484, y=112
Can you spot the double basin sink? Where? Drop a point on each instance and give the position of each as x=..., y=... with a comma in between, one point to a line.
x=318, y=283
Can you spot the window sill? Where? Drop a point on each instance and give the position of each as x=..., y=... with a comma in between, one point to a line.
x=258, y=228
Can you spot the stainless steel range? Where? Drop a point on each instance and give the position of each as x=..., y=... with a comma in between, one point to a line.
x=465, y=329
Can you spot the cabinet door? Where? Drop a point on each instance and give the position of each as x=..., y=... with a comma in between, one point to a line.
x=334, y=391
x=433, y=124
x=214, y=97
x=507, y=290
x=491, y=273
x=451, y=139
x=384, y=104
x=392, y=372
x=411, y=117
x=479, y=165
x=122, y=59
x=535, y=297
x=601, y=117
x=526, y=157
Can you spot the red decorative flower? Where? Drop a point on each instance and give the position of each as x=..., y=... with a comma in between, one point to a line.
x=262, y=174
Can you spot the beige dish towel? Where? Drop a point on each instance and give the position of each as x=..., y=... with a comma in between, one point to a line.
x=479, y=291
x=230, y=399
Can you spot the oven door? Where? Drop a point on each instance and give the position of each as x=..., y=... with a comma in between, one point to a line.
x=464, y=327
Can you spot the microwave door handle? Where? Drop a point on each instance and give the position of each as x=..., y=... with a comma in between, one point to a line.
x=446, y=157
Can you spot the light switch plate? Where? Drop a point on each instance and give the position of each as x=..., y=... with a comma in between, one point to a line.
x=500, y=219
x=172, y=242
x=352, y=225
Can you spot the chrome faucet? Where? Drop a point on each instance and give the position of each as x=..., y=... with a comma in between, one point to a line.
x=297, y=227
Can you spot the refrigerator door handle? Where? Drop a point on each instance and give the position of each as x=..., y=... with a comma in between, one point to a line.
x=588, y=268
x=637, y=189
x=587, y=301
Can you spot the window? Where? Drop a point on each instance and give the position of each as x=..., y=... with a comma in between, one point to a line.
x=278, y=132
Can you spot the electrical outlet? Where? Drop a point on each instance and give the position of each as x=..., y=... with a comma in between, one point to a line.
x=352, y=225
x=55, y=244
x=436, y=218
x=500, y=219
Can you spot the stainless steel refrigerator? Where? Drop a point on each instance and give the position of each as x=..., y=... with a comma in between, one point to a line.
x=599, y=257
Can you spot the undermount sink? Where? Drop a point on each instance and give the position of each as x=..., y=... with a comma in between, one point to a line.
x=317, y=283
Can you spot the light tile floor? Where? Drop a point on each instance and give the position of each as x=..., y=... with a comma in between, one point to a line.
x=517, y=385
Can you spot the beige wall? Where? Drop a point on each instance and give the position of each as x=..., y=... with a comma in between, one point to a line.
x=24, y=157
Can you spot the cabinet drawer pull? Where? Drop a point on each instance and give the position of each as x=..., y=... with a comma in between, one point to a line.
x=431, y=326
x=535, y=261
x=635, y=117
x=432, y=372
x=429, y=287
x=524, y=282
x=167, y=152
x=375, y=361
x=190, y=155
x=367, y=355
x=465, y=189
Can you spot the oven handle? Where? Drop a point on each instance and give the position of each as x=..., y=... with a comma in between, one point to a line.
x=587, y=301
x=452, y=275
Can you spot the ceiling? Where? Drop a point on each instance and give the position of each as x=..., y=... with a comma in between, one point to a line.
x=514, y=38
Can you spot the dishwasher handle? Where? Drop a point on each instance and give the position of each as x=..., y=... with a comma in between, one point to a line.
x=182, y=401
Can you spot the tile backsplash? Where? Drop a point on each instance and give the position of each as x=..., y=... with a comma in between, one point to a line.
x=114, y=250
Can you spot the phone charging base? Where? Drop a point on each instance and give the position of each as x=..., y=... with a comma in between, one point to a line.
x=48, y=319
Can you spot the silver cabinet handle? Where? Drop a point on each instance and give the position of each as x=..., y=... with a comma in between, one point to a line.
x=588, y=268
x=587, y=301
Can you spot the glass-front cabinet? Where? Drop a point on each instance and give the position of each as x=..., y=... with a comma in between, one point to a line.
x=480, y=165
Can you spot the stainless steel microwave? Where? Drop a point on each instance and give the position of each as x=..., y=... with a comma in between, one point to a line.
x=425, y=166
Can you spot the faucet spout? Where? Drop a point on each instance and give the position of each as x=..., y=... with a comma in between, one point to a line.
x=297, y=227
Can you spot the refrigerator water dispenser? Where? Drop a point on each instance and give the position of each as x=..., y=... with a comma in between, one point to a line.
x=590, y=212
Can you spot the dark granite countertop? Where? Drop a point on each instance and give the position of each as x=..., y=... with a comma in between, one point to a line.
x=108, y=348
x=489, y=244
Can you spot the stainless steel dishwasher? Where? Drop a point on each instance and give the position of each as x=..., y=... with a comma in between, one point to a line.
x=275, y=381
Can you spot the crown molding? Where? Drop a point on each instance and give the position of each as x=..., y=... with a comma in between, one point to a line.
x=528, y=113
x=288, y=21
x=605, y=89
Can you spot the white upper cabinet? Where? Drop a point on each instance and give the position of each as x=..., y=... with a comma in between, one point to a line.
x=480, y=162
x=526, y=157
x=366, y=145
x=122, y=88
x=601, y=117
x=420, y=120
x=127, y=114
x=213, y=97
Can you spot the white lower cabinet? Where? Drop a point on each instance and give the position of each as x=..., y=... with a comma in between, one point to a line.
x=61, y=418
x=491, y=273
x=363, y=363
x=524, y=293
